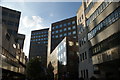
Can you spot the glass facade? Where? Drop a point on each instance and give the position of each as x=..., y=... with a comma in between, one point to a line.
x=113, y=17
x=98, y=11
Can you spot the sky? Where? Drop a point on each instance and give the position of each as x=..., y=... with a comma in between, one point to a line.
x=39, y=15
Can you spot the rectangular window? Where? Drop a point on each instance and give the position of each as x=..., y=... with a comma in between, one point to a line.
x=73, y=22
x=65, y=29
x=60, y=35
x=85, y=55
x=56, y=27
x=60, y=25
x=69, y=33
x=65, y=34
x=61, y=30
x=53, y=27
x=69, y=28
x=69, y=23
x=65, y=24
x=74, y=32
x=86, y=73
x=56, y=36
x=73, y=27
x=57, y=31
x=4, y=13
x=53, y=32
x=81, y=73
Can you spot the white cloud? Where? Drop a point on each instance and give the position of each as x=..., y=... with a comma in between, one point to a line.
x=27, y=24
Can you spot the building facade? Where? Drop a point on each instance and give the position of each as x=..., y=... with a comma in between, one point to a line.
x=20, y=40
x=13, y=58
x=38, y=45
x=11, y=19
x=59, y=30
x=64, y=60
x=103, y=34
x=85, y=60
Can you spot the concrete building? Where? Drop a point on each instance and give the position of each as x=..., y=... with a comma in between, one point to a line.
x=64, y=60
x=12, y=67
x=20, y=40
x=85, y=60
x=103, y=20
x=11, y=19
x=59, y=30
x=13, y=58
x=38, y=45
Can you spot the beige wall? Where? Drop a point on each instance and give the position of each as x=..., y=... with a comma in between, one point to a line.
x=103, y=15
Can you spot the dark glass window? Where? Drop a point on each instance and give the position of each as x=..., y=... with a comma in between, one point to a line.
x=69, y=23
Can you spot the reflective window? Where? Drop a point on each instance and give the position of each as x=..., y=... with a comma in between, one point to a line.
x=53, y=27
x=65, y=24
x=61, y=30
x=65, y=34
x=74, y=32
x=69, y=33
x=60, y=35
x=53, y=32
x=69, y=23
x=65, y=29
x=69, y=28
x=106, y=22
x=60, y=25
x=56, y=27
x=73, y=22
x=57, y=31
x=56, y=36
x=97, y=12
x=73, y=27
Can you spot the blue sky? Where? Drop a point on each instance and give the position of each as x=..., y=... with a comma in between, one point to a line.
x=39, y=15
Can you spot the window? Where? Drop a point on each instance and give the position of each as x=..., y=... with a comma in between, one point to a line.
x=53, y=27
x=85, y=55
x=69, y=33
x=60, y=35
x=97, y=12
x=71, y=43
x=81, y=73
x=74, y=32
x=69, y=28
x=73, y=22
x=57, y=31
x=73, y=27
x=65, y=34
x=65, y=24
x=53, y=32
x=60, y=25
x=52, y=36
x=82, y=16
x=10, y=23
x=65, y=29
x=103, y=24
x=4, y=13
x=56, y=27
x=56, y=36
x=7, y=36
x=61, y=30
x=69, y=23
x=12, y=15
x=74, y=36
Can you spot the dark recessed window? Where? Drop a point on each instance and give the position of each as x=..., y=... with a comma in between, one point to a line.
x=7, y=36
